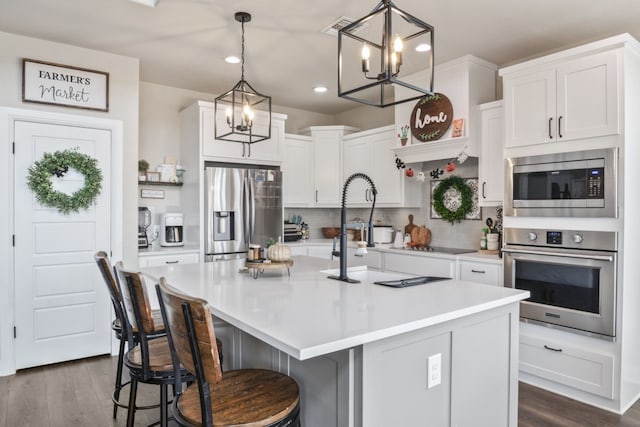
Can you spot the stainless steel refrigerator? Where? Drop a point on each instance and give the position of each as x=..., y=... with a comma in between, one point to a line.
x=243, y=206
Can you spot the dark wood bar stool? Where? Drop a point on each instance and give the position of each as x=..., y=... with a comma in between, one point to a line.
x=150, y=361
x=245, y=397
x=106, y=269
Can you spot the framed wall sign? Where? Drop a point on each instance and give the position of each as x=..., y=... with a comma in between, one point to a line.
x=48, y=83
x=431, y=117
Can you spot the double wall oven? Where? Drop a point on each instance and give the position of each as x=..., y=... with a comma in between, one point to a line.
x=570, y=274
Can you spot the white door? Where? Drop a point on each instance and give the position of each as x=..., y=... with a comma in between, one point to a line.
x=62, y=309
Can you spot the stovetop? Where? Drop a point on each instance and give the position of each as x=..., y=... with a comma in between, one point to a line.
x=436, y=249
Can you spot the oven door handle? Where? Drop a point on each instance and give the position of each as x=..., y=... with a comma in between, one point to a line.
x=608, y=258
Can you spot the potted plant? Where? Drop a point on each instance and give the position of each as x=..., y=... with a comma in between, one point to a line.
x=143, y=167
x=403, y=135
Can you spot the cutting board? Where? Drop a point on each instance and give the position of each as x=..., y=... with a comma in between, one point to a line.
x=408, y=228
x=420, y=236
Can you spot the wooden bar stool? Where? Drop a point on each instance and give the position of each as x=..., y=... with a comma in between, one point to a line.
x=104, y=265
x=150, y=361
x=245, y=397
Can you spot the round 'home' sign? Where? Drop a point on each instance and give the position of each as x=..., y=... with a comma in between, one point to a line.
x=431, y=117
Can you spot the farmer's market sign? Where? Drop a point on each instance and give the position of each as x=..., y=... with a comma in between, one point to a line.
x=431, y=117
x=48, y=83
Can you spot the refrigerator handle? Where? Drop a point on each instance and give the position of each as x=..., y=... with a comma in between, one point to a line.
x=252, y=207
x=245, y=210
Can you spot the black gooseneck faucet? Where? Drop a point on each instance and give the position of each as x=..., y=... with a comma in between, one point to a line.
x=343, y=227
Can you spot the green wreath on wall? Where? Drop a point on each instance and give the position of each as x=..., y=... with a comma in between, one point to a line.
x=57, y=164
x=466, y=199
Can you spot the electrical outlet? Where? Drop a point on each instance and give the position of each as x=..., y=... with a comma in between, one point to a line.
x=434, y=370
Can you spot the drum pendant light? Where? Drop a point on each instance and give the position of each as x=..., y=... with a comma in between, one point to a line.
x=378, y=52
x=243, y=114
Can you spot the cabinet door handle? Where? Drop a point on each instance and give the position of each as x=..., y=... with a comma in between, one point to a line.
x=484, y=185
x=171, y=262
x=249, y=149
x=243, y=149
x=560, y=127
x=366, y=195
x=550, y=120
x=558, y=350
x=316, y=196
x=478, y=271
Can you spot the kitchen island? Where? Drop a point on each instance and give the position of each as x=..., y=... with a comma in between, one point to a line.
x=365, y=354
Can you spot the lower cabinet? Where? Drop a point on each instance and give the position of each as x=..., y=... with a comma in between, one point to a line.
x=157, y=260
x=558, y=361
x=481, y=272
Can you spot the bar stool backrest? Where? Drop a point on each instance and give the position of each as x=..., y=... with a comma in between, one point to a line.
x=104, y=265
x=132, y=281
x=191, y=328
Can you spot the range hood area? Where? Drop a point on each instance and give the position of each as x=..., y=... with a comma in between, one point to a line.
x=467, y=82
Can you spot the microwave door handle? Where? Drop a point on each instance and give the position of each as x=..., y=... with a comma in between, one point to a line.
x=608, y=258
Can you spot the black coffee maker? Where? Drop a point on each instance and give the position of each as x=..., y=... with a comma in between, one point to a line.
x=144, y=221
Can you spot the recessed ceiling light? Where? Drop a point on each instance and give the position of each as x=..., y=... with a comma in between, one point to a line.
x=232, y=59
x=320, y=89
x=148, y=3
x=423, y=48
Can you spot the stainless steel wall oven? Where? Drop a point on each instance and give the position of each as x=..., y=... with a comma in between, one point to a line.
x=575, y=184
x=571, y=276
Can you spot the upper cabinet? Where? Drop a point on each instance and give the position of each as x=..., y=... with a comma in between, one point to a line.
x=312, y=167
x=370, y=152
x=297, y=165
x=264, y=152
x=562, y=100
x=490, y=164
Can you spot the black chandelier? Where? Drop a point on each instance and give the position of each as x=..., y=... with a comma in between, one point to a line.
x=236, y=111
x=391, y=45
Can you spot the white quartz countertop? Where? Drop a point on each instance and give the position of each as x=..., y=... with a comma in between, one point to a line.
x=308, y=315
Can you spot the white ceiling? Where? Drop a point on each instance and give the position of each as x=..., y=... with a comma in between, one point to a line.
x=183, y=43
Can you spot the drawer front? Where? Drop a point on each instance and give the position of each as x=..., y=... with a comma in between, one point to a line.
x=155, y=261
x=419, y=265
x=575, y=367
x=480, y=272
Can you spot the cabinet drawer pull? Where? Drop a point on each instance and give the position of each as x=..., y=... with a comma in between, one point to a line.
x=171, y=262
x=560, y=127
x=478, y=271
x=484, y=184
x=550, y=120
x=558, y=350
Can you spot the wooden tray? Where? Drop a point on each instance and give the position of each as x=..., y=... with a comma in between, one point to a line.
x=259, y=267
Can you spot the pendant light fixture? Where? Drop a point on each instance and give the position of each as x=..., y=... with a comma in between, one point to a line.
x=243, y=114
x=377, y=52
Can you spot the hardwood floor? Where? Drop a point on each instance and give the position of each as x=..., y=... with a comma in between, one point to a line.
x=78, y=394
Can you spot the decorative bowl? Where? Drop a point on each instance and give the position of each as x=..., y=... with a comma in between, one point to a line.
x=330, y=232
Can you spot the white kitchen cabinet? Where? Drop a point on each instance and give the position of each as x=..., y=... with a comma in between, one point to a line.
x=264, y=152
x=564, y=363
x=562, y=101
x=371, y=152
x=480, y=272
x=167, y=259
x=327, y=164
x=490, y=165
x=297, y=164
x=421, y=265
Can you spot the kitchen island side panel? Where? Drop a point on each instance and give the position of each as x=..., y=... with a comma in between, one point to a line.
x=477, y=353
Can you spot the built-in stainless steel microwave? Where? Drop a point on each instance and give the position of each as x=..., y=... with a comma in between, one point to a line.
x=576, y=184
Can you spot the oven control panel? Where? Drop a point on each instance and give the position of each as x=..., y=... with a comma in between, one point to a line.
x=554, y=237
x=568, y=239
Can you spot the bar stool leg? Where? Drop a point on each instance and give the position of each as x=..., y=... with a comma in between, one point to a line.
x=131, y=411
x=164, y=401
x=118, y=384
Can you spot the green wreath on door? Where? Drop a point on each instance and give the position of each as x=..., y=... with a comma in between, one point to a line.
x=58, y=164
